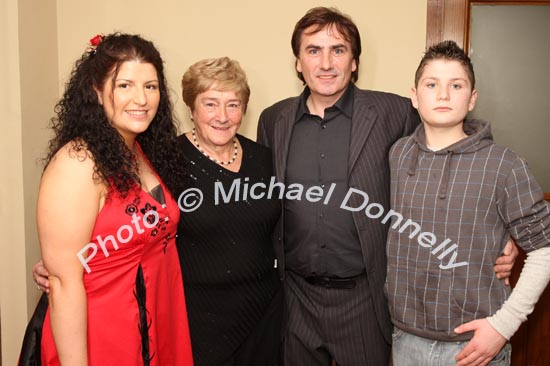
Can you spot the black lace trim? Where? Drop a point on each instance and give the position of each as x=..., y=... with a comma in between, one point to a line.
x=144, y=324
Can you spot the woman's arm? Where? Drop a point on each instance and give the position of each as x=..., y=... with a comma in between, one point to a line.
x=68, y=204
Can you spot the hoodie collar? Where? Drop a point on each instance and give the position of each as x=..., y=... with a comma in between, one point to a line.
x=479, y=136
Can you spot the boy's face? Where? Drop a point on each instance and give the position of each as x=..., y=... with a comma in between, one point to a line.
x=444, y=94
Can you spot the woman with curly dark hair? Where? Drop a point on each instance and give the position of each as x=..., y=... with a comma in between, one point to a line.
x=107, y=223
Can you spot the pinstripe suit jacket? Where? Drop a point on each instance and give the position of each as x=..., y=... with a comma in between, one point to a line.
x=379, y=119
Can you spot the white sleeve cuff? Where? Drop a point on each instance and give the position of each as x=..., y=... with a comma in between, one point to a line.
x=532, y=281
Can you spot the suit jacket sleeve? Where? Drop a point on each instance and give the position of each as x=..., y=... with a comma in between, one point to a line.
x=261, y=137
x=412, y=121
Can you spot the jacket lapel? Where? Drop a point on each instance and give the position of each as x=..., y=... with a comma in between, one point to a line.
x=362, y=121
x=283, y=133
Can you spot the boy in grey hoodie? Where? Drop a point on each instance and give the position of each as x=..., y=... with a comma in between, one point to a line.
x=462, y=196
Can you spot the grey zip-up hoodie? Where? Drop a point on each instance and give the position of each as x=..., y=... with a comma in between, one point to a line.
x=453, y=212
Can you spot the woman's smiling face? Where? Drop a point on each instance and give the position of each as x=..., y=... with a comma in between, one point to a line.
x=132, y=102
x=217, y=116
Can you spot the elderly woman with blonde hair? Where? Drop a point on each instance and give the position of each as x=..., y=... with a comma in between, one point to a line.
x=226, y=253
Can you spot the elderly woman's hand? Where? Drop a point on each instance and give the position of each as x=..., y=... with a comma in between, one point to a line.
x=40, y=275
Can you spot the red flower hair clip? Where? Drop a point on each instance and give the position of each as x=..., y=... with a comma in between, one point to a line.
x=94, y=42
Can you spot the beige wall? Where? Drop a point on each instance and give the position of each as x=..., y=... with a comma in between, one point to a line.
x=39, y=92
x=28, y=65
x=12, y=258
x=42, y=39
x=256, y=33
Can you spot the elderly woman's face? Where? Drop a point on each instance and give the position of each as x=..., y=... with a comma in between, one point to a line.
x=217, y=116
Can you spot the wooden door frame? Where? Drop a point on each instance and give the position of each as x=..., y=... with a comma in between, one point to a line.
x=450, y=19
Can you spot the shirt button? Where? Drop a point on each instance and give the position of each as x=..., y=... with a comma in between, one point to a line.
x=322, y=155
x=324, y=127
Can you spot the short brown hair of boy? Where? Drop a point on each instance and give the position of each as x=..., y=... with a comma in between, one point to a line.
x=322, y=17
x=224, y=74
x=450, y=51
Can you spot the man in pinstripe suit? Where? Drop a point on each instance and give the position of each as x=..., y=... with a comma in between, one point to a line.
x=331, y=138
x=334, y=135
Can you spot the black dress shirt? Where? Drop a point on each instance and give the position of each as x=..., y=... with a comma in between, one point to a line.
x=320, y=237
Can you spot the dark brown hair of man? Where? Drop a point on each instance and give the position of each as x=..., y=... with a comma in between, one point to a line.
x=321, y=18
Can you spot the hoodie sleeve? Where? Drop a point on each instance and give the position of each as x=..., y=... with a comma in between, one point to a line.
x=527, y=218
x=523, y=209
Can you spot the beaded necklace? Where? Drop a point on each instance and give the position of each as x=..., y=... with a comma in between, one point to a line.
x=235, y=149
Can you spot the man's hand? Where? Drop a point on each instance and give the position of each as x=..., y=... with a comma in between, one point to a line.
x=504, y=263
x=40, y=275
x=483, y=347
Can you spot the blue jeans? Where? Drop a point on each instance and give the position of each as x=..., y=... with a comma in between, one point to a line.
x=411, y=350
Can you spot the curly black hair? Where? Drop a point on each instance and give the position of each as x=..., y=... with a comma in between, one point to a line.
x=81, y=120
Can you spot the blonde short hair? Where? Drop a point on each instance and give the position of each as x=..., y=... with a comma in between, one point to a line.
x=223, y=73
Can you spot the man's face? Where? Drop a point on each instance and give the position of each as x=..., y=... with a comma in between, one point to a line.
x=326, y=63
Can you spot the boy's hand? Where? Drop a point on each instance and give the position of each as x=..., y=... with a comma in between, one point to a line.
x=504, y=263
x=483, y=347
x=40, y=275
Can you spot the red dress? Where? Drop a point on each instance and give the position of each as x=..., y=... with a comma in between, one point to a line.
x=134, y=287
